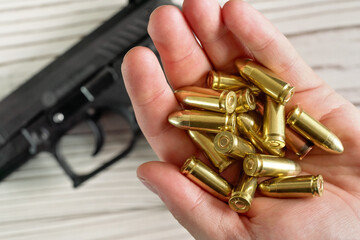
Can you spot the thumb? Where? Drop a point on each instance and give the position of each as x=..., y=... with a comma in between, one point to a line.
x=203, y=215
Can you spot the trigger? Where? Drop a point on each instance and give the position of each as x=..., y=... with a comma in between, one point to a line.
x=98, y=135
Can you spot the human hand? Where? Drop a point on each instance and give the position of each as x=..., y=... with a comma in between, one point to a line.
x=225, y=34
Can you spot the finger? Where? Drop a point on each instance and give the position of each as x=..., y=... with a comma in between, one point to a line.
x=222, y=48
x=184, y=61
x=204, y=216
x=269, y=47
x=153, y=100
x=273, y=50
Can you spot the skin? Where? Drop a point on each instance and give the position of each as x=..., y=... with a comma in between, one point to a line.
x=238, y=30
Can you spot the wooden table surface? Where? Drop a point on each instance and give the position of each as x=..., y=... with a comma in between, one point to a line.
x=38, y=202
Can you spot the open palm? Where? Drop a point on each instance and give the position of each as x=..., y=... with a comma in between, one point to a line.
x=237, y=30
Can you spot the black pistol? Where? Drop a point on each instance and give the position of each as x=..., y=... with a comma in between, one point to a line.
x=82, y=85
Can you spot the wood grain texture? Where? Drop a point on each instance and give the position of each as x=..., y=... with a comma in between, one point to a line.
x=37, y=201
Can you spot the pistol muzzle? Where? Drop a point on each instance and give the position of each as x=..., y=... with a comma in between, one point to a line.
x=206, y=143
x=314, y=131
x=259, y=165
x=265, y=80
x=206, y=178
x=289, y=187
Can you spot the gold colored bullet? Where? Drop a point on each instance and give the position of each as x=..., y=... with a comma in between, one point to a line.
x=222, y=81
x=208, y=99
x=206, y=178
x=289, y=187
x=246, y=127
x=243, y=194
x=274, y=124
x=245, y=100
x=259, y=165
x=232, y=145
x=314, y=131
x=265, y=80
x=250, y=120
x=203, y=121
x=206, y=143
x=299, y=145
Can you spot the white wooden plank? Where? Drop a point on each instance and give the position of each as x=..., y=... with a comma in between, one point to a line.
x=114, y=226
x=51, y=11
x=319, y=22
x=12, y=5
x=61, y=22
x=39, y=38
x=274, y=6
x=28, y=53
x=333, y=55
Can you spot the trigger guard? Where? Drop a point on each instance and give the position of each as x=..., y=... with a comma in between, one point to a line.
x=98, y=135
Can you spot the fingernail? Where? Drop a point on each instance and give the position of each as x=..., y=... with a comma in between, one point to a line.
x=148, y=185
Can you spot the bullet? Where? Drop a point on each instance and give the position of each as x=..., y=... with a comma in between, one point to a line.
x=232, y=145
x=206, y=143
x=313, y=130
x=265, y=80
x=243, y=194
x=250, y=120
x=289, y=187
x=259, y=165
x=245, y=100
x=252, y=133
x=274, y=124
x=206, y=178
x=222, y=81
x=299, y=145
x=203, y=98
x=203, y=121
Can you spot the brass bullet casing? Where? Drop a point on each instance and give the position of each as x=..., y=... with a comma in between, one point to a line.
x=265, y=80
x=259, y=165
x=206, y=178
x=314, y=131
x=245, y=100
x=222, y=81
x=203, y=121
x=253, y=133
x=204, y=98
x=232, y=145
x=243, y=194
x=274, y=124
x=299, y=145
x=289, y=187
x=206, y=143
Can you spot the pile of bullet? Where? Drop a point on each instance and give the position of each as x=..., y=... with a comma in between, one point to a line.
x=242, y=118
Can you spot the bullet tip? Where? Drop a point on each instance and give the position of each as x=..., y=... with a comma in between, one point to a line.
x=175, y=118
x=336, y=146
x=241, y=62
x=264, y=187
